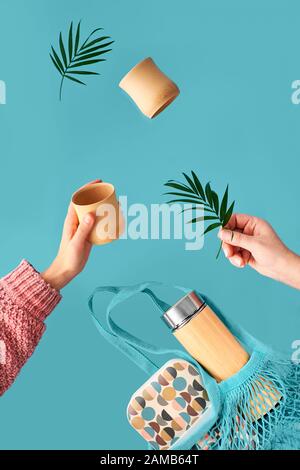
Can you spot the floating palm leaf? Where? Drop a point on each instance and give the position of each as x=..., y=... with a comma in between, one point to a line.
x=191, y=191
x=71, y=58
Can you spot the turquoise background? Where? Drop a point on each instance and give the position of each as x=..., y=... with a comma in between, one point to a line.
x=233, y=122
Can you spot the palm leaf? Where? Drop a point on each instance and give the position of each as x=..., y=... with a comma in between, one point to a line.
x=196, y=199
x=74, y=79
x=55, y=64
x=95, y=41
x=215, y=200
x=58, y=61
x=201, y=207
x=179, y=186
x=86, y=62
x=70, y=43
x=72, y=56
x=77, y=38
x=198, y=185
x=224, y=202
x=203, y=197
x=208, y=194
x=194, y=208
x=228, y=214
x=191, y=183
x=82, y=72
x=183, y=200
x=92, y=49
x=90, y=56
x=179, y=182
x=202, y=218
x=63, y=51
x=92, y=33
x=212, y=227
x=171, y=193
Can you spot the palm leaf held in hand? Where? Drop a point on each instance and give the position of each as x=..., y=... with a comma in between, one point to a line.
x=192, y=191
x=71, y=58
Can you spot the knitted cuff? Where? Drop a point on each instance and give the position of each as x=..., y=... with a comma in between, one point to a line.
x=29, y=291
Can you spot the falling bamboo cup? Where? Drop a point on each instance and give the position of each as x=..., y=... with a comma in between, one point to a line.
x=149, y=87
x=100, y=199
x=210, y=342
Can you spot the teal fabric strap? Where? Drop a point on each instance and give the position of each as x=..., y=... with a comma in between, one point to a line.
x=129, y=344
x=129, y=350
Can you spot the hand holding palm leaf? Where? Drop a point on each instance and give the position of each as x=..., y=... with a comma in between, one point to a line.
x=192, y=191
x=74, y=56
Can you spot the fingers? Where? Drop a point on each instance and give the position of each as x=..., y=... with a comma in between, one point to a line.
x=71, y=221
x=83, y=230
x=228, y=249
x=237, y=260
x=235, y=246
x=236, y=238
x=237, y=256
x=241, y=221
x=70, y=224
x=246, y=255
x=241, y=239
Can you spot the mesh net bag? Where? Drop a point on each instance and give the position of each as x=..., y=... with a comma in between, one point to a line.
x=258, y=408
x=261, y=412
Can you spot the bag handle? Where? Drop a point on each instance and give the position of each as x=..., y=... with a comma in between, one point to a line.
x=128, y=292
x=132, y=353
x=129, y=344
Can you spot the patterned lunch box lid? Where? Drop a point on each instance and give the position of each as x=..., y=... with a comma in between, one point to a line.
x=168, y=404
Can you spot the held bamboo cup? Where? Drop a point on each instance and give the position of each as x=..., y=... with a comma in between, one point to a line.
x=149, y=87
x=211, y=343
x=101, y=200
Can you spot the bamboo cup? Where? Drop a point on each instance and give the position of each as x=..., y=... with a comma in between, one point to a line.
x=149, y=87
x=100, y=199
x=210, y=342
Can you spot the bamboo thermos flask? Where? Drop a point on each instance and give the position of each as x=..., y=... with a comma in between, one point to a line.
x=210, y=342
x=205, y=337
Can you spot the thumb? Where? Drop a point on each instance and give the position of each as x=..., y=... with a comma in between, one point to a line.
x=236, y=239
x=84, y=229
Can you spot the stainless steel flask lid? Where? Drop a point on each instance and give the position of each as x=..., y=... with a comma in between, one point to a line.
x=183, y=310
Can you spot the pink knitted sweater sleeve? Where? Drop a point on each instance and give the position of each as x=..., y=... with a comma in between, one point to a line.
x=25, y=301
